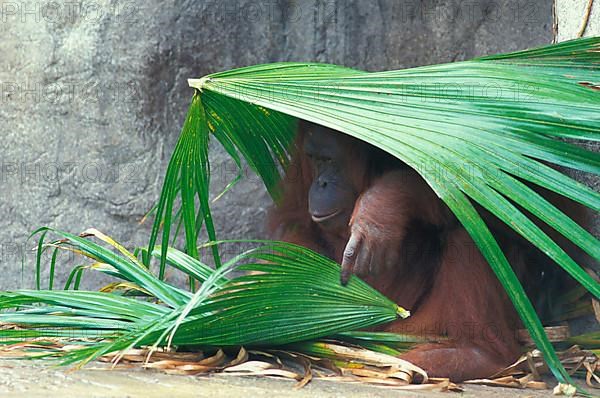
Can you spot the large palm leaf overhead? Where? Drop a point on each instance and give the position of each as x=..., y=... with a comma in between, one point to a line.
x=475, y=130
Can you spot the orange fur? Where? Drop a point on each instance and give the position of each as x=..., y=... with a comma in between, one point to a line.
x=433, y=267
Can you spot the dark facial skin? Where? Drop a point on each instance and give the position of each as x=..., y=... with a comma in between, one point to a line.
x=333, y=193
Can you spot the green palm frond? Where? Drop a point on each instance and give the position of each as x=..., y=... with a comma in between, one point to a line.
x=477, y=131
x=278, y=302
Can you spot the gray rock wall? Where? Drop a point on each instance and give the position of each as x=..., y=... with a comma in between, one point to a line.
x=93, y=94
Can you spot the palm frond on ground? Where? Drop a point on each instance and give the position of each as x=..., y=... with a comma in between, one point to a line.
x=274, y=321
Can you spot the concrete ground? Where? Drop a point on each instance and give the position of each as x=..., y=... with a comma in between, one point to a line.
x=40, y=379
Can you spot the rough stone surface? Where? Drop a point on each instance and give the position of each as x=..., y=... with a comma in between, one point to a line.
x=93, y=94
x=570, y=18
